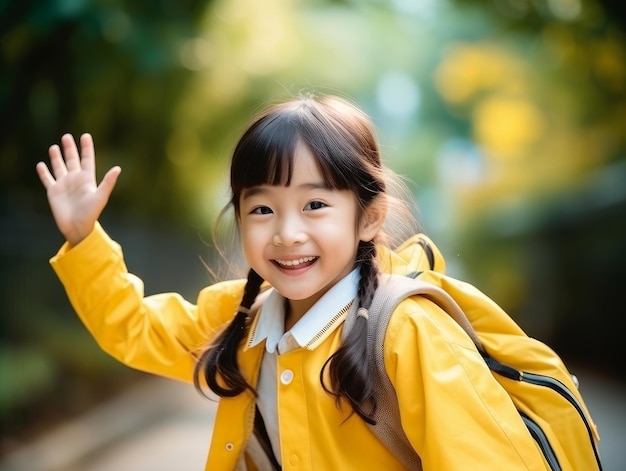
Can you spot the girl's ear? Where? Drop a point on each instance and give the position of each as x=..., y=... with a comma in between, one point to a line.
x=373, y=219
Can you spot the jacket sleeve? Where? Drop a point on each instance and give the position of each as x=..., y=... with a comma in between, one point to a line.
x=161, y=334
x=453, y=411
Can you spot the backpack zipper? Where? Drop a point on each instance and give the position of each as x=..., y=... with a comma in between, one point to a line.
x=560, y=388
x=542, y=440
x=546, y=382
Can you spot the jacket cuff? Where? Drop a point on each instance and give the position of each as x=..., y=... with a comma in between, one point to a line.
x=78, y=261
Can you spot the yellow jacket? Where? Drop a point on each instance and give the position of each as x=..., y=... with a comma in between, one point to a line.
x=454, y=412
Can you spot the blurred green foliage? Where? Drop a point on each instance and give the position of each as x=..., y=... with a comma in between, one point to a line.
x=110, y=68
x=508, y=115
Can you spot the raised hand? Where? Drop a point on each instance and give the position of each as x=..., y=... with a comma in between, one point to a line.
x=75, y=198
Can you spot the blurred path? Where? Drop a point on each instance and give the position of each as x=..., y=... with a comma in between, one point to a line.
x=163, y=425
x=158, y=425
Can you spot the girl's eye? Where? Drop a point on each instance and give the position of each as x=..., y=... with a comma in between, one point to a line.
x=261, y=210
x=314, y=205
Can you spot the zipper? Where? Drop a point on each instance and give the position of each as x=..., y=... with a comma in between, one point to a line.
x=553, y=384
x=543, y=442
x=560, y=388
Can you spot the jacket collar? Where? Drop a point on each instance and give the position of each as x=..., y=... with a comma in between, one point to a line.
x=319, y=321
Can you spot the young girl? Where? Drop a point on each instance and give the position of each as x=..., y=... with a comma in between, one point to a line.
x=310, y=197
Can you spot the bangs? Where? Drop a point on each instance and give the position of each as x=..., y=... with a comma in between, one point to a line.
x=264, y=155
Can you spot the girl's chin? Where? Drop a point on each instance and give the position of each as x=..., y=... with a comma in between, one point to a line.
x=292, y=293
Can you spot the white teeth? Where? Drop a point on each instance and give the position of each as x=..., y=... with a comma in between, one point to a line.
x=294, y=263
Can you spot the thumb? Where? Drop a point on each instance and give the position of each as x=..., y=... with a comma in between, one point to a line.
x=108, y=182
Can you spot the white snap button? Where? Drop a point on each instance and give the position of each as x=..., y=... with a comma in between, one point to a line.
x=230, y=446
x=286, y=376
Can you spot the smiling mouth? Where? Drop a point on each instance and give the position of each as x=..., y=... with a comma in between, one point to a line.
x=297, y=263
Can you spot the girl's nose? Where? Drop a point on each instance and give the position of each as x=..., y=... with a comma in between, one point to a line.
x=289, y=233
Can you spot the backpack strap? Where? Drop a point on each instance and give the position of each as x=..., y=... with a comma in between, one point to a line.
x=391, y=291
x=262, y=436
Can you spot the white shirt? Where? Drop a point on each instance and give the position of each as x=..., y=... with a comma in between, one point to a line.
x=270, y=327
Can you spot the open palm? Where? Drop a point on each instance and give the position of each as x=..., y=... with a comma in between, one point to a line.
x=75, y=198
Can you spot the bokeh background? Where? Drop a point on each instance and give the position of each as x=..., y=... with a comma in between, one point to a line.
x=509, y=117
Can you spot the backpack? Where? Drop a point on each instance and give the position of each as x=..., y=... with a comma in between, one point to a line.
x=541, y=387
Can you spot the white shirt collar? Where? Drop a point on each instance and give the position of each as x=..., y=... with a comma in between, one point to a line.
x=270, y=321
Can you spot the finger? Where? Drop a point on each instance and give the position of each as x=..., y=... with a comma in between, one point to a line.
x=70, y=152
x=44, y=175
x=108, y=183
x=56, y=161
x=87, y=153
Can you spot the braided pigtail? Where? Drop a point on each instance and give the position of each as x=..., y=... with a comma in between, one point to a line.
x=218, y=364
x=348, y=366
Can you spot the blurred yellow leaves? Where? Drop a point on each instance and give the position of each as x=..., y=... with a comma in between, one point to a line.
x=468, y=69
x=533, y=137
x=494, y=87
x=507, y=127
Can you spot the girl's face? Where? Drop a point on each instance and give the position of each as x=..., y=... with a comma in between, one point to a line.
x=300, y=238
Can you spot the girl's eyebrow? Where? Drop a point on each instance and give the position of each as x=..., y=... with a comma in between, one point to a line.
x=314, y=186
x=261, y=189
x=250, y=192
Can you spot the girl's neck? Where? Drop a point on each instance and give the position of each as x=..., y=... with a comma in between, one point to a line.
x=294, y=310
